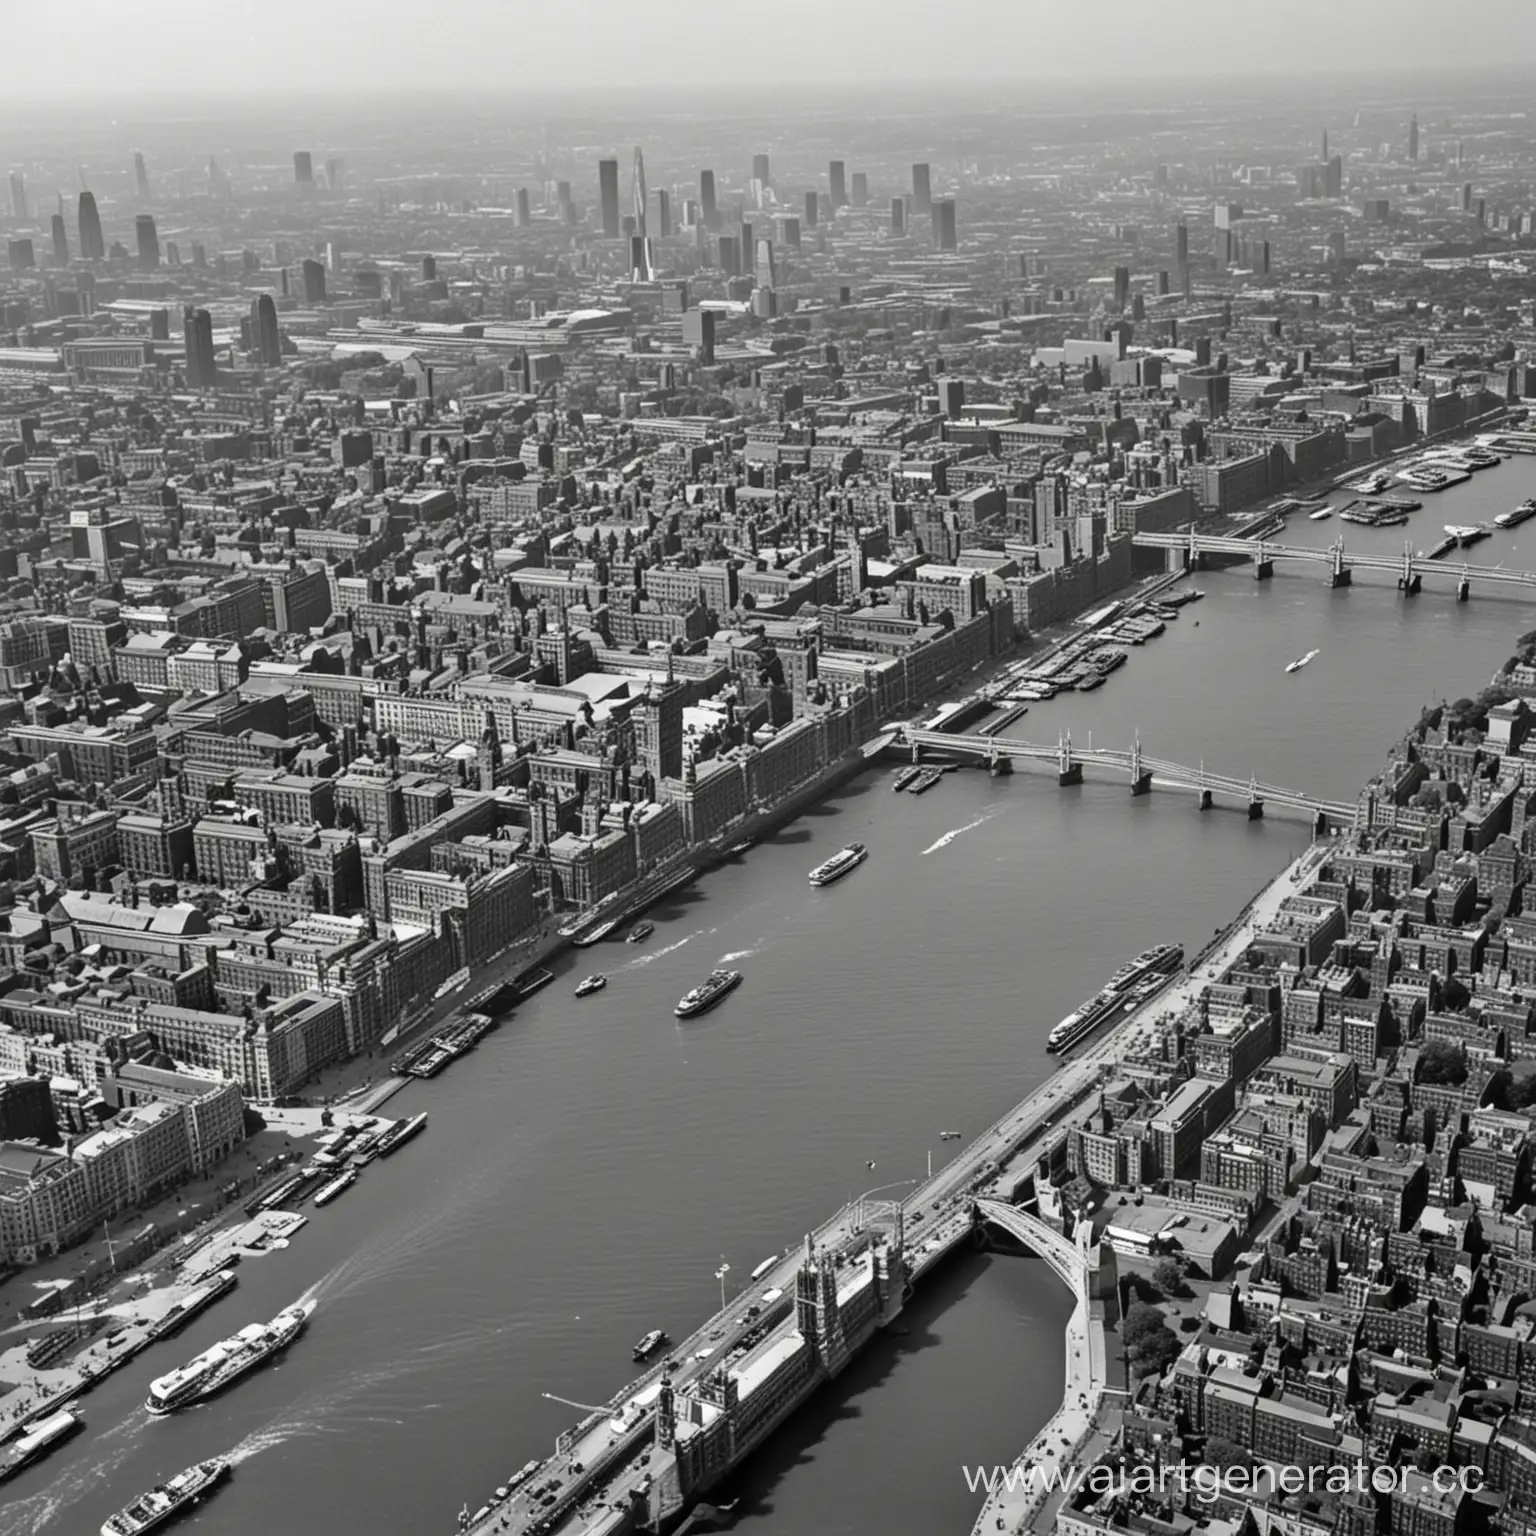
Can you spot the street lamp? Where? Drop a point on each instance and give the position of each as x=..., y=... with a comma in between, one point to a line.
x=720, y=1275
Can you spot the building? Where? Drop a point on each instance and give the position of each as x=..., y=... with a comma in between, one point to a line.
x=608, y=197
x=944, y=225
x=148, y=242
x=922, y=190
x=92, y=246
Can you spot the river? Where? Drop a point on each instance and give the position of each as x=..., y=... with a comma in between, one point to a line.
x=587, y=1169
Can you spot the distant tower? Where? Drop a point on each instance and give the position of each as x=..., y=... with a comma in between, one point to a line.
x=1413, y=137
x=638, y=194
x=148, y=242
x=303, y=168
x=761, y=170
x=140, y=177
x=60, y=242
x=922, y=189
x=314, y=281
x=837, y=179
x=264, y=332
x=197, y=331
x=707, y=199
x=944, y=225
x=92, y=247
x=18, y=196
x=1325, y=145
x=608, y=197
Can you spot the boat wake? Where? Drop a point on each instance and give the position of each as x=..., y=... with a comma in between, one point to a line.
x=40, y=1513
x=737, y=954
x=950, y=836
x=656, y=954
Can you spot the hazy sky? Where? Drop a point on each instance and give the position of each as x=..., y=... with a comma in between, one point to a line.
x=141, y=50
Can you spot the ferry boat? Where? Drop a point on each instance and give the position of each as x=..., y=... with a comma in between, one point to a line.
x=201, y=1296
x=904, y=778
x=949, y=1135
x=338, y=1186
x=1156, y=964
x=1320, y=514
x=650, y=1344
x=1107, y=661
x=839, y=864
x=1376, y=481
x=1466, y=533
x=531, y=981
x=926, y=780
x=1480, y=456
x=224, y=1364
x=1300, y=662
x=37, y=1440
x=151, y=1510
x=702, y=998
x=640, y=932
x=1516, y=515
x=400, y=1133
x=590, y=985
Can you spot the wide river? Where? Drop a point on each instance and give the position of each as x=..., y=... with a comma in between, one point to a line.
x=588, y=1168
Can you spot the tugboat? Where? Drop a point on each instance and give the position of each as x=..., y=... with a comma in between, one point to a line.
x=650, y=1344
x=590, y=985
x=839, y=864
x=701, y=999
x=640, y=932
x=151, y=1510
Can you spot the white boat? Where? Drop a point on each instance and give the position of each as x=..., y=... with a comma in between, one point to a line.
x=1300, y=662
x=590, y=985
x=839, y=864
x=151, y=1510
x=227, y=1361
x=765, y=1268
x=1320, y=514
x=36, y=1441
x=338, y=1186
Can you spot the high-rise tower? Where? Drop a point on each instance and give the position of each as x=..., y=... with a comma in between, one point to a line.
x=148, y=242
x=608, y=197
x=922, y=189
x=60, y=242
x=140, y=177
x=92, y=246
x=1413, y=137
x=638, y=194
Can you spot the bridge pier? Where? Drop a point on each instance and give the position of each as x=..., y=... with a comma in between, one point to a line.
x=1205, y=800
x=1255, y=809
x=1320, y=824
x=1263, y=569
x=1341, y=576
x=1142, y=783
x=1463, y=590
x=1072, y=773
x=1409, y=585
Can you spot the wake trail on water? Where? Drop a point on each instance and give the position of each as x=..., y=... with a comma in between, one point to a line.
x=955, y=832
x=656, y=954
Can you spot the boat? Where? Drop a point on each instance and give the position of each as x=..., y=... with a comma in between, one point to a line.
x=702, y=998
x=1467, y=533
x=229, y=1360
x=1516, y=515
x=1107, y=661
x=531, y=981
x=904, y=777
x=949, y=1135
x=1300, y=662
x=640, y=932
x=37, y=1440
x=1443, y=547
x=1124, y=988
x=1320, y=514
x=151, y=1510
x=400, y=1133
x=338, y=1186
x=1094, y=680
x=590, y=985
x=926, y=780
x=201, y=1296
x=650, y=1344
x=839, y=864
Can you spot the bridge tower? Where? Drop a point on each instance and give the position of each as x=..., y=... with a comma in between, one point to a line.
x=1193, y=560
x=1141, y=776
x=1255, y=800
x=1068, y=769
x=1464, y=586
x=818, y=1316
x=1204, y=788
x=1409, y=581
x=1263, y=564
x=1342, y=573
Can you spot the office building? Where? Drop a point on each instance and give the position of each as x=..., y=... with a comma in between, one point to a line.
x=197, y=332
x=663, y=214
x=860, y=189
x=524, y=214
x=789, y=234
x=92, y=247
x=760, y=171
x=18, y=196
x=608, y=197
x=1333, y=177
x=148, y=242
x=639, y=259
x=1181, y=255
x=60, y=241
x=710, y=214
x=810, y=210
x=699, y=334
x=303, y=168
x=922, y=189
x=763, y=263
x=944, y=225
x=837, y=185
x=264, y=336
x=313, y=273
x=730, y=255
x=637, y=193
x=1413, y=137
x=140, y=177
x=22, y=255
x=898, y=216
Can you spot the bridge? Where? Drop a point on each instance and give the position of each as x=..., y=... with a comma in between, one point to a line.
x=1410, y=567
x=1142, y=772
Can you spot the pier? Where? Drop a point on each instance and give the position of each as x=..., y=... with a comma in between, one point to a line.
x=643, y=1459
x=1189, y=550
x=1139, y=770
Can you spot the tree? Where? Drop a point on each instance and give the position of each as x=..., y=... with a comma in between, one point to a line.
x=1168, y=1275
x=1223, y=1453
x=1150, y=1343
x=1442, y=1062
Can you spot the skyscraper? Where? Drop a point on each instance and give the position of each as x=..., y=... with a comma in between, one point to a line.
x=1413, y=137
x=92, y=246
x=790, y=233
x=524, y=211
x=1333, y=177
x=60, y=242
x=18, y=195
x=730, y=255
x=140, y=177
x=1181, y=255
x=860, y=188
x=838, y=184
x=639, y=259
x=922, y=189
x=608, y=197
x=707, y=199
x=898, y=216
x=763, y=264
x=335, y=171
x=944, y=225
x=264, y=336
x=314, y=281
x=197, y=332
x=810, y=210
x=1325, y=144
x=303, y=168
x=148, y=242
x=760, y=171
x=663, y=214
x=638, y=193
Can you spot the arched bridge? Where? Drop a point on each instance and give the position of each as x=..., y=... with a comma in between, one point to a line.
x=1068, y=1258
x=1143, y=772
x=1410, y=567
